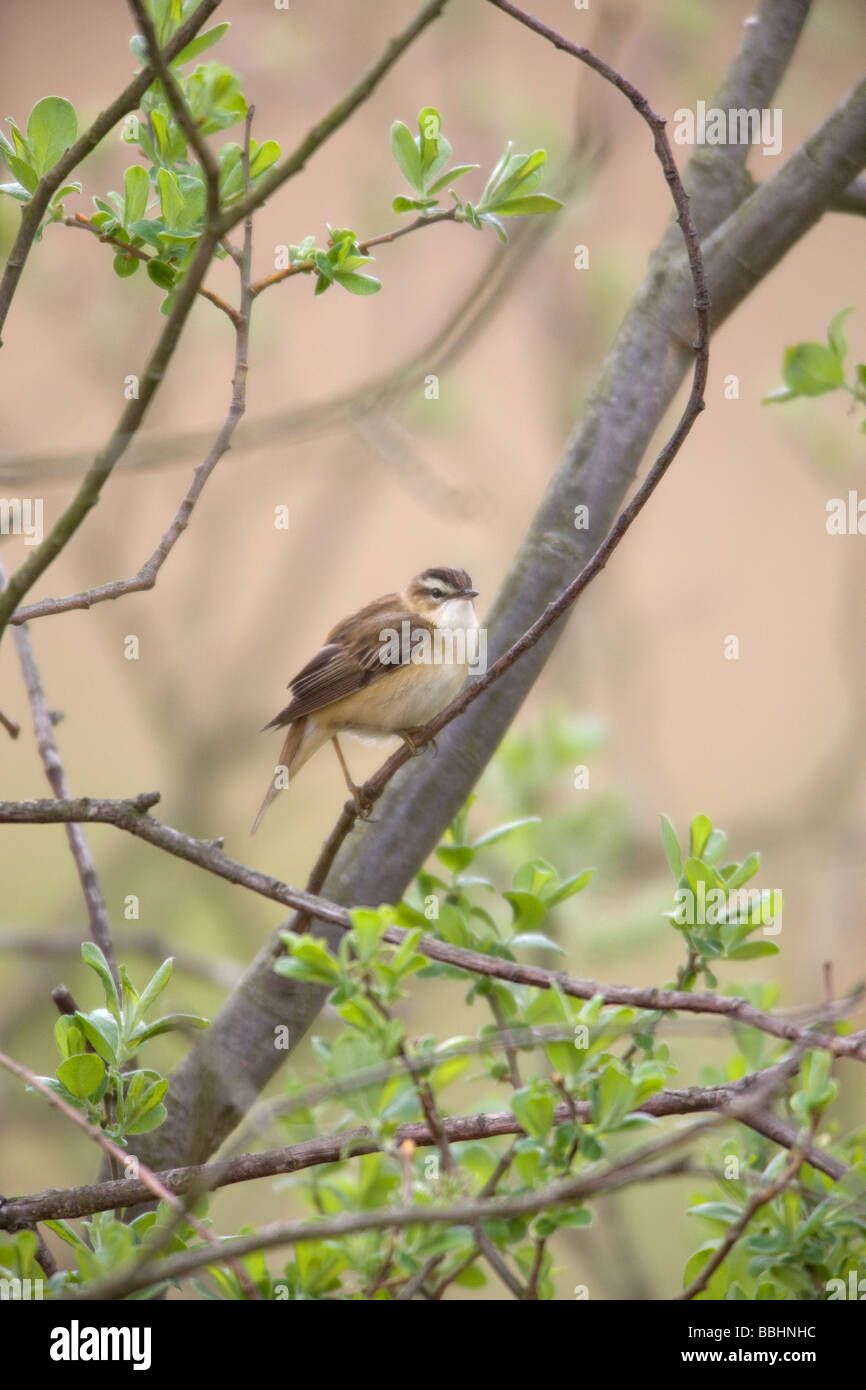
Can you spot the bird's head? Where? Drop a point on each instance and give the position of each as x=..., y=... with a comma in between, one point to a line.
x=442, y=596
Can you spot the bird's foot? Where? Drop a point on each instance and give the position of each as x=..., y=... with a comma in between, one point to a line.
x=363, y=805
x=416, y=749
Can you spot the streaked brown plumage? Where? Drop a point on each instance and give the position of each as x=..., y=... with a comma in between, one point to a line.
x=354, y=685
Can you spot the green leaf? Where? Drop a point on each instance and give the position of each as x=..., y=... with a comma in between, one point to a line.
x=431, y=141
x=747, y=870
x=700, y=831
x=615, y=1096
x=92, y=956
x=534, y=1111
x=836, y=335
x=198, y=45
x=101, y=1030
x=82, y=1075
x=16, y=191
x=124, y=265
x=161, y=273
x=782, y=393
x=358, y=284
x=136, y=186
x=535, y=941
x=450, y=177
x=68, y=1036
x=171, y=198
x=51, y=128
x=569, y=886
x=405, y=152
x=169, y=1024
x=529, y=910
x=153, y=989
x=267, y=154
x=752, y=950
x=500, y=831
x=24, y=173
x=672, y=850
x=533, y=204
x=811, y=369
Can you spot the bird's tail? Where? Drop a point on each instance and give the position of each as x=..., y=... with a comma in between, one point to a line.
x=302, y=740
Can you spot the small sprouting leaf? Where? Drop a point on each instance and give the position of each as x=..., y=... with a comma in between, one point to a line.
x=699, y=833
x=124, y=265
x=16, y=191
x=752, y=950
x=102, y=1032
x=82, y=1075
x=170, y=1024
x=267, y=154
x=534, y=203
x=154, y=987
x=781, y=393
x=136, y=186
x=672, y=850
x=533, y=1110
x=26, y=175
x=567, y=889
x=197, y=45
x=500, y=831
x=171, y=198
x=811, y=369
x=450, y=177
x=92, y=956
x=51, y=128
x=161, y=273
x=836, y=333
x=358, y=284
x=534, y=940
x=405, y=151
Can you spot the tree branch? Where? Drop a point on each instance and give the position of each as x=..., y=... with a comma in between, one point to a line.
x=100, y=927
x=184, y=297
x=33, y=211
x=130, y=815
x=121, y=1156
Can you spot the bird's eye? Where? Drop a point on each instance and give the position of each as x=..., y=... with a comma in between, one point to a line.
x=435, y=593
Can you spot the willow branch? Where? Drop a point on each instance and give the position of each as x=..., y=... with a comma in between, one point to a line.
x=151, y=1182
x=131, y=815
x=100, y=927
x=129, y=100
x=185, y=294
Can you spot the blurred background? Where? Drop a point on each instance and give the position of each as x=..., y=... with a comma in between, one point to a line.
x=381, y=482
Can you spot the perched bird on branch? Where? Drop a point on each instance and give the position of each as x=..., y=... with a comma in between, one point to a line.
x=384, y=671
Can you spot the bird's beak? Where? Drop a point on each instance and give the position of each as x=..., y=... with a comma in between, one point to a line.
x=468, y=593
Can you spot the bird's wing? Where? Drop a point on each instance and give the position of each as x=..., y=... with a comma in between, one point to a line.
x=354, y=655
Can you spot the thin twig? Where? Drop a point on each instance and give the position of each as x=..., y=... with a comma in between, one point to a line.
x=555, y=610
x=100, y=927
x=129, y=99
x=184, y=296
x=122, y=1156
x=130, y=815
x=754, y=1204
x=71, y=1203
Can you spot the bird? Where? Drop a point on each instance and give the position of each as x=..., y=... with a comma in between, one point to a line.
x=383, y=671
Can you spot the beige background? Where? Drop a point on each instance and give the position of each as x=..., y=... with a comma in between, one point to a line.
x=771, y=745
